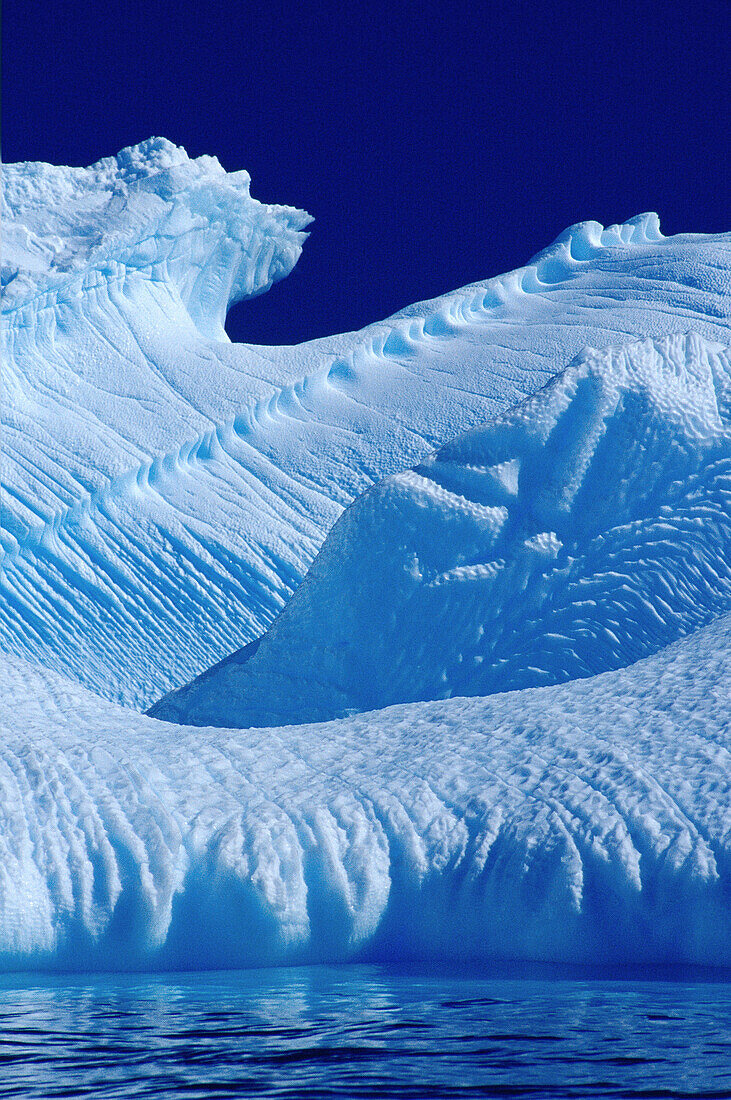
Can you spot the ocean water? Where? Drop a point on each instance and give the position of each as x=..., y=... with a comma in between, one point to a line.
x=362, y=1032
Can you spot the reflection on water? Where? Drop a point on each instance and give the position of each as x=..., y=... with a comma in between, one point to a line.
x=362, y=1032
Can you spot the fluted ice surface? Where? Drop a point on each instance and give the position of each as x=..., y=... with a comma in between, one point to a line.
x=588, y=822
x=582, y=530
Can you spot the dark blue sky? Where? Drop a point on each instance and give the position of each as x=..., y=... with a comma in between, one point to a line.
x=435, y=144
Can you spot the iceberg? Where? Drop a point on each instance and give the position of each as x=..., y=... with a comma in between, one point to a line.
x=165, y=491
x=432, y=620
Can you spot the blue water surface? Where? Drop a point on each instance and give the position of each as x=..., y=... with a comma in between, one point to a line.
x=362, y=1032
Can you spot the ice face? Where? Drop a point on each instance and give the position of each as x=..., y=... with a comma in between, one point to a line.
x=582, y=530
x=164, y=490
x=587, y=822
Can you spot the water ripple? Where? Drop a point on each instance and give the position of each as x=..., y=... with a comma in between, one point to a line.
x=360, y=1032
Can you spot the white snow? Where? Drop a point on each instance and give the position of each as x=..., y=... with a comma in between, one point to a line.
x=523, y=613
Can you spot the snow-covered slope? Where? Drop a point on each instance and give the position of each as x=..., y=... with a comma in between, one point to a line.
x=164, y=491
x=587, y=822
x=582, y=530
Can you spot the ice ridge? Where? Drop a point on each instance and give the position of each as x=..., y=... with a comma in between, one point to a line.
x=582, y=530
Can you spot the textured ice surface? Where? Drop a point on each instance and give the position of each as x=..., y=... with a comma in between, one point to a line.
x=589, y=821
x=164, y=491
x=582, y=530
x=151, y=211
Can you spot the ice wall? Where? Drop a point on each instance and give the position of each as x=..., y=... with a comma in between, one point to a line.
x=588, y=822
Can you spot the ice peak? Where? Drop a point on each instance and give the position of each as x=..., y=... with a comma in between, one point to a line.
x=585, y=239
x=156, y=153
x=151, y=211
